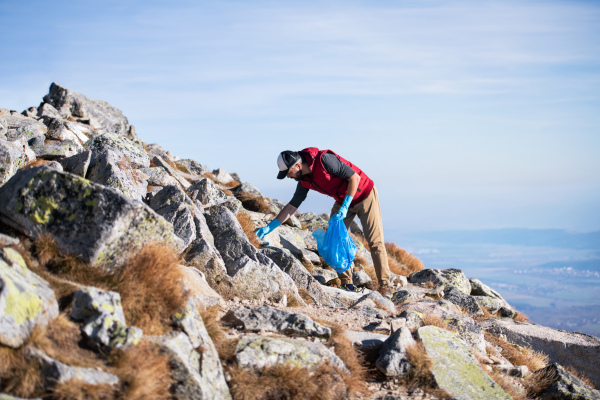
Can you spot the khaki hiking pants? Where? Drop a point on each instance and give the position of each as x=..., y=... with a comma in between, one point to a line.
x=369, y=214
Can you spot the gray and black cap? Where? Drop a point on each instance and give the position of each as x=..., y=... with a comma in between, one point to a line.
x=285, y=160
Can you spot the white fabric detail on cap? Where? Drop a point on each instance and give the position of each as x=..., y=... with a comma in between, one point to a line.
x=281, y=164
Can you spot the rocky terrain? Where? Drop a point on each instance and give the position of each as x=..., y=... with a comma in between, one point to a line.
x=129, y=273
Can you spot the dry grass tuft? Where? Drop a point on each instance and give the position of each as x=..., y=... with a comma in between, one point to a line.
x=231, y=184
x=144, y=372
x=228, y=193
x=408, y=263
x=35, y=163
x=253, y=203
x=419, y=375
x=481, y=318
x=580, y=376
x=434, y=320
x=308, y=265
x=518, y=355
x=507, y=385
x=335, y=282
x=21, y=376
x=352, y=360
x=249, y=228
x=216, y=331
x=306, y=296
x=537, y=383
x=429, y=285
x=78, y=390
x=150, y=288
x=520, y=317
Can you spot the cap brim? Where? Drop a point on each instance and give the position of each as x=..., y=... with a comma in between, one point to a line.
x=282, y=174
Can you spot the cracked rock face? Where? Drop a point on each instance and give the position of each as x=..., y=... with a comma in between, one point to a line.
x=444, y=278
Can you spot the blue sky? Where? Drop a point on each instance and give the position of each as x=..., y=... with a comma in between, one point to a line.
x=466, y=114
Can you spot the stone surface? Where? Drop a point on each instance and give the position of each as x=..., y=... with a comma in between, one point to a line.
x=444, y=278
x=18, y=126
x=258, y=352
x=456, y=369
x=365, y=339
x=200, y=291
x=193, y=167
x=410, y=294
x=323, y=275
x=463, y=301
x=111, y=168
x=392, y=360
x=60, y=129
x=172, y=204
x=196, y=376
x=222, y=176
x=54, y=149
x=343, y=296
x=206, y=192
x=26, y=300
x=571, y=349
x=566, y=386
x=360, y=278
x=158, y=176
x=159, y=162
x=6, y=240
x=247, y=188
x=12, y=157
x=133, y=152
x=98, y=224
x=77, y=164
x=267, y=318
x=378, y=301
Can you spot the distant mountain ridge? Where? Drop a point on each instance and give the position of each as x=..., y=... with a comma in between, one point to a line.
x=517, y=237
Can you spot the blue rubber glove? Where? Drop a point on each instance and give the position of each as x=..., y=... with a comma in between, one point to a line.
x=265, y=230
x=341, y=214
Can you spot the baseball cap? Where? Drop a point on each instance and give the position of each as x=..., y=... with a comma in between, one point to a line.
x=285, y=160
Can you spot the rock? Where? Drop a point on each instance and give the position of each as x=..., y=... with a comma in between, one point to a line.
x=301, y=277
x=398, y=280
x=371, y=312
x=26, y=300
x=158, y=176
x=200, y=291
x=206, y=192
x=48, y=110
x=570, y=349
x=565, y=385
x=104, y=322
x=193, y=167
x=247, y=188
x=18, y=127
x=360, y=278
x=455, y=368
x=466, y=302
x=59, y=129
x=171, y=203
x=159, y=162
x=257, y=352
x=222, y=176
x=196, y=376
x=480, y=289
x=77, y=164
x=343, y=296
x=313, y=221
x=493, y=305
x=99, y=113
x=12, y=158
x=98, y=224
x=111, y=168
x=365, y=340
x=410, y=294
x=53, y=149
x=271, y=319
x=6, y=240
x=190, y=322
x=56, y=372
x=355, y=228
x=392, y=360
x=323, y=275
x=396, y=324
x=133, y=152
x=378, y=300
x=447, y=277
x=290, y=239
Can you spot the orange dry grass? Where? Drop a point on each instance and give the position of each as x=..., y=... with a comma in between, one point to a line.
x=580, y=376
x=231, y=184
x=419, y=375
x=21, y=376
x=408, y=262
x=352, y=360
x=520, y=317
x=144, y=372
x=518, y=355
x=35, y=163
x=216, y=331
x=253, y=203
x=78, y=390
x=248, y=227
x=537, y=383
x=306, y=296
x=505, y=383
x=434, y=320
x=150, y=288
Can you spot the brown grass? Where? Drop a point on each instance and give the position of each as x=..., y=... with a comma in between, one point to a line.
x=505, y=383
x=306, y=296
x=580, y=376
x=253, y=203
x=225, y=347
x=419, y=375
x=21, y=376
x=434, y=320
x=352, y=360
x=481, y=318
x=518, y=355
x=228, y=193
x=335, y=282
x=537, y=383
x=308, y=265
x=35, y=163
x=408, y=262
x=429, y=285
x=248, y=228
x=144, y=372
x=231, y=184
x=78, y=390
x=520, y=317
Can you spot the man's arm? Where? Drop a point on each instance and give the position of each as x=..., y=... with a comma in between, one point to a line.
x=353, y=184
x=285, y=213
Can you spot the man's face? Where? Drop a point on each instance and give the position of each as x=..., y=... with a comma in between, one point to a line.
x=295, y=171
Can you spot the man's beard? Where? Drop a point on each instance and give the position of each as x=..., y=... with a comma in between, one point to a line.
x=298, y=176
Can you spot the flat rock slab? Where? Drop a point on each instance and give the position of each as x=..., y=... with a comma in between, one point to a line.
x=456, y=369
x=100, y=225
x=566, y=348
x=365, y=339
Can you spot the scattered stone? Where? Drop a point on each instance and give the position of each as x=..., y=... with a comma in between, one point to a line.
x=447, y=277
x=465, y=302
x=158, y=176
x=377, y=300
x=133, y=152
x=366, y=340
x=372, y=312
x=392, y=360
x=18, y=126
x=77, y=164
x=159, y=162
x=206, y=192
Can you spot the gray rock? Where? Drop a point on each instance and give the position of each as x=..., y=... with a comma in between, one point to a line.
x=18, y=126
x=6, y=240
x=466, y=302
x=257, y=352
x=171, y=203
x=371, y=312
x=158, y=176
x=53, y=149
x=323, y=275
x=48, y=110
x=455, y=368
x=356, y=229
x=111, y=168
x=571, y=349
x=30, y=112
x=193, y=167
x=366, y=340
x=301, y=277
x=196, y=376
x=12, y=158
x=493, y=304
x=566, y=386
x=346, y=298
x=77, y=164
x=313, y=221
x=222, y=176
x=99, y=113
x=159, y=162
x=132, y=151
x=447, y=277
x=410, y=294
x=60, y=129
x=98, y=224
x=291, y=239
x=267, y=318
x=392, y=360
x=206, y=192
x=55, y=372
x=26, y=300
x=202, y=294
x=104, y=322
x=247, y=188
x=376, y=300
x=190, y=322
x=360, y=278
x=398, y=280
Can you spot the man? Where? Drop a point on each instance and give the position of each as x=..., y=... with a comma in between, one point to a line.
x=354, y=193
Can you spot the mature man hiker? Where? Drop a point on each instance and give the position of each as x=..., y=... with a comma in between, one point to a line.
x=354, y=193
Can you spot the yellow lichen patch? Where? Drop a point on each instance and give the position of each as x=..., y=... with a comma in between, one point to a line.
x=41, y=210
x=21, y=305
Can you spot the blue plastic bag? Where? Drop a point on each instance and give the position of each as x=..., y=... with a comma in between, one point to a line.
x=335, y=246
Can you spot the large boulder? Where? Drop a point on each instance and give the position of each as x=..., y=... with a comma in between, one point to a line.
x=463, y=301
x=111, y=168
x=132, y=151
x=571, y=349
x=98, y=224
x=206, y=192
x=26, y=300
x=443, y=278
x=60, y=129
x=172, y=204
x=455, y=368
x=257, y=318
x=13, y=156
x=101, y=115
x=18, y=127
x=393, y=360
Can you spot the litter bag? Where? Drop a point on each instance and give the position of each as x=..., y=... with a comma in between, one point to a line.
x=335, y=246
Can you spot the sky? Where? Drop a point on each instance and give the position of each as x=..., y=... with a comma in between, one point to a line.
x=467, y=115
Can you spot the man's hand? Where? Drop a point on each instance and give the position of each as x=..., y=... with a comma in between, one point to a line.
x=343, y=211
x=265, y=230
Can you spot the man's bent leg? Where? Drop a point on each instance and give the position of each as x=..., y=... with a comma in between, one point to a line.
x=369, y=214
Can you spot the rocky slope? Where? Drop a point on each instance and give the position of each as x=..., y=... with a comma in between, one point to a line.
x=127, y=272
